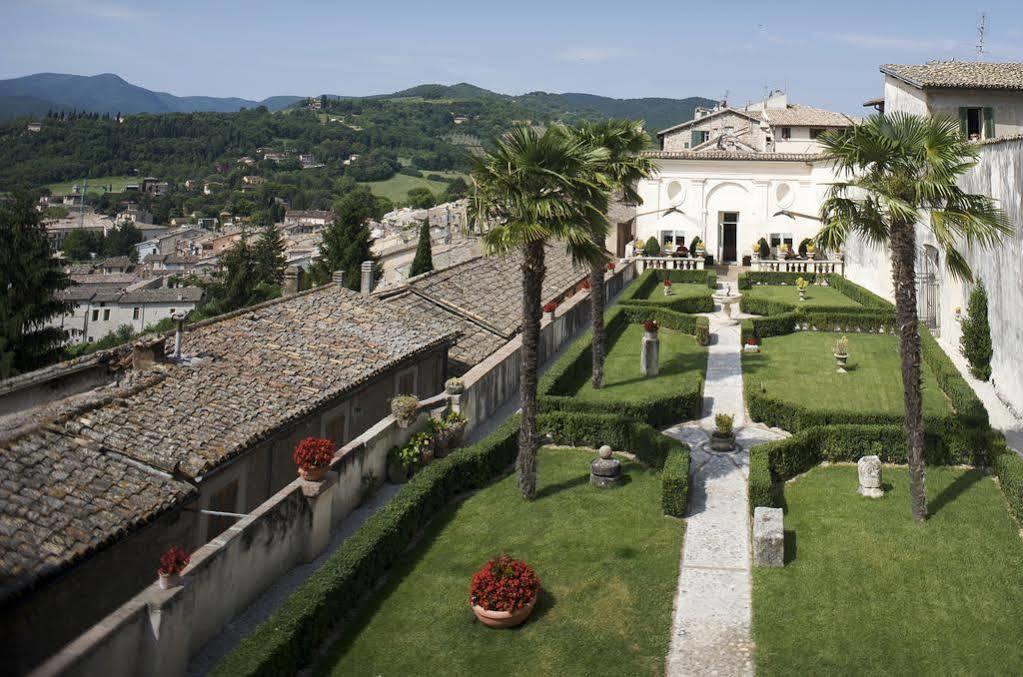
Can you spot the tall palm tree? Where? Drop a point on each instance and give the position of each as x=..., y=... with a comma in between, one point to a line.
x=901, y=170
x=623, y=167
x=534, y=188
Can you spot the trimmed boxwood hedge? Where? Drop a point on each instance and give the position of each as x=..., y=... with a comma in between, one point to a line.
x=650, y=280
x=1008, y=467
x=861, y=295
x=675, y=483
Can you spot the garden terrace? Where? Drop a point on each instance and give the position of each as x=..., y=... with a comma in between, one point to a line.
x=788, y=295
x=691, y=290
x=618, y=575
x=866, y=590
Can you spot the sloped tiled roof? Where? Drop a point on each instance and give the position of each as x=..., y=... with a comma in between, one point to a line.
x=796, y=115
x=476, y=342
x=731, y=155
x=958, y=74
x=721, y=111
x=163, y=295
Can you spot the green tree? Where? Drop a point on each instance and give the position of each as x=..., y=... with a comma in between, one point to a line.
x=652, y=247
x=902, y=166
x=456, y=190
x=423, y=261
x=975, y=341
x=268, y=255
x=81, y=244
x=421, y=198
x=30, y=283
x=619, y=172
x=121, y=241
x=534, y=188
x=346, y=241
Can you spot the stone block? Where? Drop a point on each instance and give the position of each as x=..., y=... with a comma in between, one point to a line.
x=869, y=470
x=768, y=537
x=649, y=358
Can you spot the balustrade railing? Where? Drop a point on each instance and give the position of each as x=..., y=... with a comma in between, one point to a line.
x=669, y=263
x=798, y=266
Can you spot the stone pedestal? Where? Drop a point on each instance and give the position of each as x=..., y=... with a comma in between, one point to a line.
x=605, y=471
x=650, y=356
x=869, y=468
x=768, y=537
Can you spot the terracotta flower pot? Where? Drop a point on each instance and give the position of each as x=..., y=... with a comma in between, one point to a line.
x=315, y=474
x=168, y=581
x=504, y=619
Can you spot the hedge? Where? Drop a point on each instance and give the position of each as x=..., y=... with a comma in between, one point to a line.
x=1008, y=467
x=861, y=295
x=708, y=277
x=650, y=280
x=284, y=642
x=675, y=483
x=694, y=325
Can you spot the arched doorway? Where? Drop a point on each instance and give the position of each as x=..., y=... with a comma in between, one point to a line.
x=929, y=291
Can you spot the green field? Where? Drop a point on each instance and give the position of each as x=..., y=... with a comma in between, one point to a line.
x=815, y=296
x=397, y=187
x=867, y=591
x=116, y=183
x=607, y=560
x=679, y=290
x=800, y=368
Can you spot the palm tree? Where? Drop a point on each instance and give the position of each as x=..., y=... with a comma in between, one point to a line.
x=533, y=188
x=898, y=168
x=623, y=140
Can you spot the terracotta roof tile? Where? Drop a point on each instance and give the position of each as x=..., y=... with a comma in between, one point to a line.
x=958, y=74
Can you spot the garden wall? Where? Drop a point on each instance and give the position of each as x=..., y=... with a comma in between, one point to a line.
x=157, y=631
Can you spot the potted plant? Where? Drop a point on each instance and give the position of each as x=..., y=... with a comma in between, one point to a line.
x=811, y=249
x=172, y=563
x=401, y=464
x=504, y=592
x=550, y=308
x=610, y=267
x=764, y=249
x=723, y=437
x=651, y=327
x=667, y=287
x=696, y=247
x=801, y=285
x=842, y=354
x=701, y=250
x=422, y=444
x=585, y=284
x=751, y=345
x=454, y=386
x=783, y=251
x=313, y=456
x=404, y=408
x=454, y=429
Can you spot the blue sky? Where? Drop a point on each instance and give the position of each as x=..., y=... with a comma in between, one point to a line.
x=823, y=53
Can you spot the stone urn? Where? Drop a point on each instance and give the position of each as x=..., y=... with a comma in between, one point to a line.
x=802, y=294
x=505, y=619
x=869, y=470
x=314, y=474
x=168, y=581
x=650, y=354
x=842, y=360
x=722, y=441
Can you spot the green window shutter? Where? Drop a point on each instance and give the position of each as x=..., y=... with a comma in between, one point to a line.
x=962, y=121
x=989, y=123
x=696, y=138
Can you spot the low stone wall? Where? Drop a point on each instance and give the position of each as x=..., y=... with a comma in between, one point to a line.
x=157, y=631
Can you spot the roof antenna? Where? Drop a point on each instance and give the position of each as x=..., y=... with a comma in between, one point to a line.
x=981, y=30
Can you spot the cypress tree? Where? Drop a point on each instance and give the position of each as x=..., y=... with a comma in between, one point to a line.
x=975, y=341
x=30, y=281
x=423, y=261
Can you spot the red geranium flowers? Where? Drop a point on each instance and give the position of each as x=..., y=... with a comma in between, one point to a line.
x=173, y=561
x=313, y=452
x=504, y=584
x=550, y=307
x=651, y=326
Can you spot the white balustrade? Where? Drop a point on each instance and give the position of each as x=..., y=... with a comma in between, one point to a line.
x=811, y=266
x=669, y=263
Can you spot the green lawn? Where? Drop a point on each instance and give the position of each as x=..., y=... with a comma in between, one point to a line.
x=608, y=561
x=682, y=360
x=397, y=187
x=679, y=290
x=800, y=368
x=870, y=592
x=96, y=184
x=815, y=296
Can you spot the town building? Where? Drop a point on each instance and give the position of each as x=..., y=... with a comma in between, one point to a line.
x=139, y=459
x=298, y=221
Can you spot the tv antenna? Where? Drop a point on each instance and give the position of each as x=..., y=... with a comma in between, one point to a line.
x=981, y=30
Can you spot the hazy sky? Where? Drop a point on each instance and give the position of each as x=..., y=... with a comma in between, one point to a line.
x=823, y=53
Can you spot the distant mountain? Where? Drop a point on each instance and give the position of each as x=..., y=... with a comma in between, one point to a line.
x=109, y=93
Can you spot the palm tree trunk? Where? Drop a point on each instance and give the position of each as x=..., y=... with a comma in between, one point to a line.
x=598, y=300
x=903, y=243
x=529, y=439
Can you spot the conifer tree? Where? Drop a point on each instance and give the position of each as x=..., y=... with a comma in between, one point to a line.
x=30, y=281
x=975, y=341
x=346, y=242
x=423, y=261
x=268, y=254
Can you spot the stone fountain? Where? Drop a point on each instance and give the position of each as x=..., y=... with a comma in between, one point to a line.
x=727, y=299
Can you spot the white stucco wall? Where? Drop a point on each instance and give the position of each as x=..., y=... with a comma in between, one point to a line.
x=898, y=96
x=1007, y=105
x=705, y=188
x=799, y=141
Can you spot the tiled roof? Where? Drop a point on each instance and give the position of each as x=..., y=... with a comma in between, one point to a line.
x=258, y=369
x=61, y=498
x=958, y=74
x=730, y=155
x=488, y=289
x=117, y=262
x=714, y=114
x=163, y=295
x=806, y=116
x=474, y=345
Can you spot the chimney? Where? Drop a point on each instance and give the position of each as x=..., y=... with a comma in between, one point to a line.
x=366, y=285
x=179, y=319
x=338, y=278
x=292, y=276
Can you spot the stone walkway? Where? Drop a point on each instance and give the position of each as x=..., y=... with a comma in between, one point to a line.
x=711, y=619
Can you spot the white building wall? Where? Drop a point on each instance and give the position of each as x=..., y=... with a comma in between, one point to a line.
x=898, y=96
x=799, y=141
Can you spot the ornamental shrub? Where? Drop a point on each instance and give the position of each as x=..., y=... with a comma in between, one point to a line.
x=173, y=561
x=504, y=584
x=652, y=247
x=423, y=261
x=313, y=452
x=675, y=483
x=695, y=244
x=803, y=246
x=764, y=249
x=975, y=343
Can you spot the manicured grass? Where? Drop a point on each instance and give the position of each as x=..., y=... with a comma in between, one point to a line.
x=800, y=368
x=397, y=187
x=608, y=561
x=679, y=290
x=117, y=184
x=683, y=360
x=868, y=591
x=815, y=296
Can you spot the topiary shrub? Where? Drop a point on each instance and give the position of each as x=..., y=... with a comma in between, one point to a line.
x=695, y=244
x=675, y=483
x=975, y=342
x=764, y=249
x=652, y=247
x=802, y=246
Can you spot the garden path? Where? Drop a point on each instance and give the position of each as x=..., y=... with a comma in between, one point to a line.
x=711, y=623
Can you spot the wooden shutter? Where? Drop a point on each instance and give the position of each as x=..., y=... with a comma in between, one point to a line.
x=695, y=138
x=962, y=121
x=989, y=123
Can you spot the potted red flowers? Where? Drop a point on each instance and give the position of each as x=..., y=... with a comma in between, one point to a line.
x=667, y=287
x=651, y=326
x=550, y=308
x=313, y=456
x=610, y=266
x=172, y=563
x=504, y=592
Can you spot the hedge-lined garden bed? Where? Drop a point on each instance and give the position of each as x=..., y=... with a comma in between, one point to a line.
x=691, y=291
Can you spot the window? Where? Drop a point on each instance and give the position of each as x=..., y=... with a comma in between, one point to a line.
x=815, y=132
x=95, y=315
x=699, y=136
x=224, y=500
x=777, y=239
x=406, y=382
x=335, y=429
x=977, y=123
x=671, y=239
x=786, y=133
x=135, y=313
x=106, y=314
